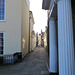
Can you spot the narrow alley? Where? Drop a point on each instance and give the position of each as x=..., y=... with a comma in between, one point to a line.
x=35, y=63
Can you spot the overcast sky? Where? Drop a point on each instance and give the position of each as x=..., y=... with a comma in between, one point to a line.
x=40, y=15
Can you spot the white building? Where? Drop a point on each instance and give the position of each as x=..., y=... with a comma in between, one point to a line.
x=61, y=22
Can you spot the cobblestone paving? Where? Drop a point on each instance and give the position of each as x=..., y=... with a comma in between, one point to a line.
x=33, y=64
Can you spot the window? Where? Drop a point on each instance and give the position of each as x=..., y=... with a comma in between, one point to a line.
x=1, y=43
x=2, y=10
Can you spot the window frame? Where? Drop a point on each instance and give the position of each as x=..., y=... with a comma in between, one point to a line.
x=3, y=43
x=4, y=11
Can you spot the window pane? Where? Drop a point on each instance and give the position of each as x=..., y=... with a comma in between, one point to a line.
x=1, y=34
x=2, y=17
x=2, y=9
x=1, y=42
x=1, y=52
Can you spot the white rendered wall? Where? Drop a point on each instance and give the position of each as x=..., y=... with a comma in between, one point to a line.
x=52, y=46
x=65, y=38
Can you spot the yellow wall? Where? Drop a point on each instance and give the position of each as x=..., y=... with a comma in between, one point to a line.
x=25, y=28
x=31, y=29
x=34, y=42
x=45, y=40
x=16, y=27
x=12, y=27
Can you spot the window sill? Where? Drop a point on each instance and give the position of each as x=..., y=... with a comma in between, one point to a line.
x=2, y=20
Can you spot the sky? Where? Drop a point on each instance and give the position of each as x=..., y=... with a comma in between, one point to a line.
x=40, y=15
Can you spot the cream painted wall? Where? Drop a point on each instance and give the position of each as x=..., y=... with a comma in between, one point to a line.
x=25, y=28
x=45, y=39
x=31, y=29
x=33, y=41
x=16, y=27
x=12, y=27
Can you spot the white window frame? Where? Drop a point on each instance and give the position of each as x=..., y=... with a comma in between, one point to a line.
x=3, y=43
x=4, y=12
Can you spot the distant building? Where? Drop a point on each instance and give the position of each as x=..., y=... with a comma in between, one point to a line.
x=42, y=38
x=39, y=39
x=45, y=38
x=36, y=39
x=31, y=32
x=33, y=41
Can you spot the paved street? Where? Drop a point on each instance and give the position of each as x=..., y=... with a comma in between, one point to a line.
x=33, y=64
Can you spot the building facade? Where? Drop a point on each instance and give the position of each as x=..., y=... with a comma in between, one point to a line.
x=42, y=38
x=31, y=32
x=39, y=39
x=61, y=35
x=36, y=39
x=33, y=45
x=45, y=38
x=14, y=29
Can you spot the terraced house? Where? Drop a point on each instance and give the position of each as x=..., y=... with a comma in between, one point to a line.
x=14, y=29
x=61, y=24
x=32, y=36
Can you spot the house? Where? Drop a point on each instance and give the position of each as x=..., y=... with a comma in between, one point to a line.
x=61, y=25
x=39, y=39
x=42, y=38
x=31, y=26
x=45, y=38
x=33, y=40
x=36, y=39
x=14, y=29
